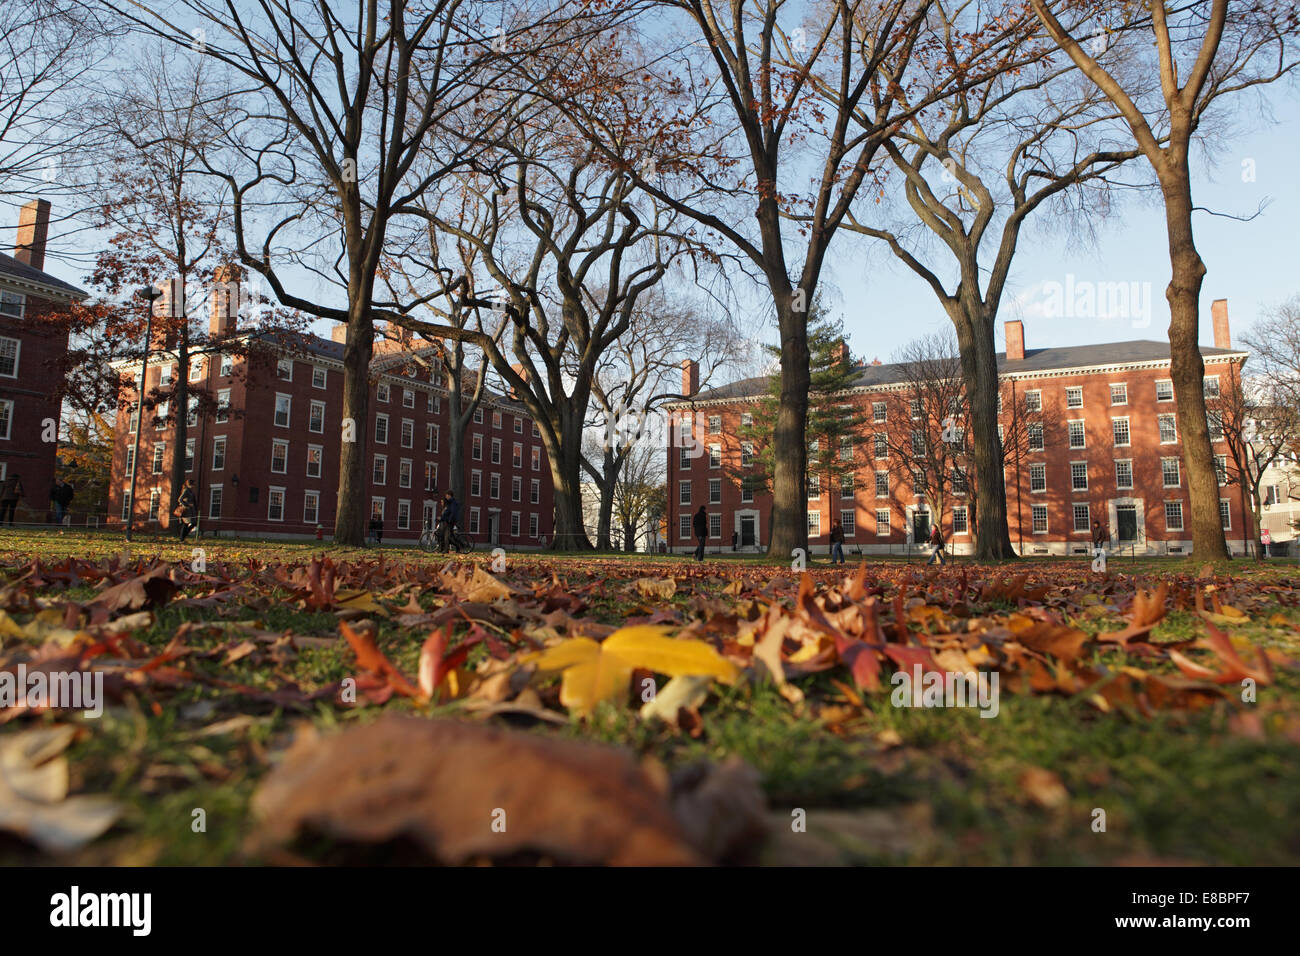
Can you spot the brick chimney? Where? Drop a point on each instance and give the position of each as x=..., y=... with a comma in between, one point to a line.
x=223, y=303
x=690, y=376
x=168, y=310
x=1219, y=316
x=339, y=333
x=840, y=353
x=33, y=231
x=394, y=339
x=1015, y=341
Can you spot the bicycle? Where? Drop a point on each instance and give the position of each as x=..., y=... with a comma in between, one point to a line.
x=430, y=540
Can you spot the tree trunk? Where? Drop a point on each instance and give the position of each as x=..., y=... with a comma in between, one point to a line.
x=979, y=367
x=629, y=538
x=353, y=512
x=605, y=519
x=566, y=475
x=790, y=450
x=1187, y=369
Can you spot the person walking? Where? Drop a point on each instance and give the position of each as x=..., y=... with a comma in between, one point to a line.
x=700, y=524
x=61, y=495
x=11, y=492
x=837, y=542
x=186, y=508
x=937, y=556
x=1099, y=536
x=735, y=537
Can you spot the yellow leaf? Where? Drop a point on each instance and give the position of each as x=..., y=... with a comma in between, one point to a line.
x=594, y=672
x=657, y=587
x=358, y=601
x=8, y=628
x=484, y=588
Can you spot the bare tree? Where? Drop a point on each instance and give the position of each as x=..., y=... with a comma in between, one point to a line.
x=973, y=169
x=1202, y=51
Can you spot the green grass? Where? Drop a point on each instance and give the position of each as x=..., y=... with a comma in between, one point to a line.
x=1177, y=786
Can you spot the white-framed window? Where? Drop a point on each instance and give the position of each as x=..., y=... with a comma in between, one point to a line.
x=1078, y=476
x=918, y=443
x=882, y=522
x=478, y=415
x=1225, y=513
x=532, y=525
x=1170, y=473
x=1038, y=477
x=189, y=454
x=683, y=492
x=1034, y=400
x=284, y=370
x=1034, y=432
x=431, y=437
x=408, y=433
x=516, y=488
x=379, y=470
x=882, y=484
x=1164, y=391
x=915, y=408
x=535, y=492
x=404, y=473
x=433, y=404
x=165, y=375
x=473, y=521
x=715, y=526
x=1077, y=435
x=958, y=480
x=746, y=453
x=1221, y=468
x=684, y=527
x=476, y=483
x=377, y=507
x=517, y=455
x=430, y=476
x=382, y=392
x=848, y=522
x=959, y=523
x=12, y=304
x=814, y=524
x=403, y=514
x=155, y=499
x=130, y=458
x=381, y=429
x=715, y=424
x=1119, y=393
x=6, y=419
x=537, y=433
x=1168, y=429
x=408, y=401
x=880, y=445
x=316, y=418
x=1082, y=517
x=279, y=457
x=496, y=451
x=715, y=491
x=715, y=456
x=1120, y=431
x=1124, y=473
x=315, y=458
x=1215, y=424
x=814, y=486
x=160, y=414
x=846, y=486
x=746, y=492
x=537, y=459
x=518, y=425
x=846, y=448
x=159, y=452
x=310, y=507
x=496, y=418
x=275, y=503
x=319, y=377
x=476, y=447
x=878, y=412
x=1210, y=384
x=196, y=368
x=1038, y=516
x=126, y=504
x=227, y=366
x=215, y=496
x=283, y=403
x=219, y=453
x=1074, y=396
x=192, y=417
x=746, y=420
x=514, y=524
x=814, y=451
x=1173, y=515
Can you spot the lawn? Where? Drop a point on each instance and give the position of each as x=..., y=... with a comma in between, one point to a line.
x=1147, y=714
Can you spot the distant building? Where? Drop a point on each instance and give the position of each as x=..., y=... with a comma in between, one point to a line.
x=1118, y=460
x=265, y=461
x=32, y=354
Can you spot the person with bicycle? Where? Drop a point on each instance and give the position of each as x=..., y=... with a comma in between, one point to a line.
x=448, y=519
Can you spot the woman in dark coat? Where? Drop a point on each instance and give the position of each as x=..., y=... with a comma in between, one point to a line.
x=187, y=508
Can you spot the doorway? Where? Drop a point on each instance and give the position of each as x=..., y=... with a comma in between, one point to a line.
x=494, y=527
x=747, y=531
x=920, y=526
x=1127, y=523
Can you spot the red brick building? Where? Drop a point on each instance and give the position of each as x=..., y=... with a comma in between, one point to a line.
x=1113, y=455
x=265, y=460
x=32, y=354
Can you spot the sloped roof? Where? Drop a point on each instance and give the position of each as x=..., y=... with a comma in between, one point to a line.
x=1035, y=360
x=21, y=271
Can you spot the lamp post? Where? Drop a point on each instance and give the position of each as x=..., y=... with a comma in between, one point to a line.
x=149, y=294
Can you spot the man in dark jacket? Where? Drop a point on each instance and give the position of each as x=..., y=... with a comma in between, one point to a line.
x=837, y=542
x=1099, y=536
x=60, y=497
x=700, y=525
x=10, y=493
x=449, y=518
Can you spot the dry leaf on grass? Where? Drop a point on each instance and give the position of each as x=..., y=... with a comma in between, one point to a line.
x=442, y=784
